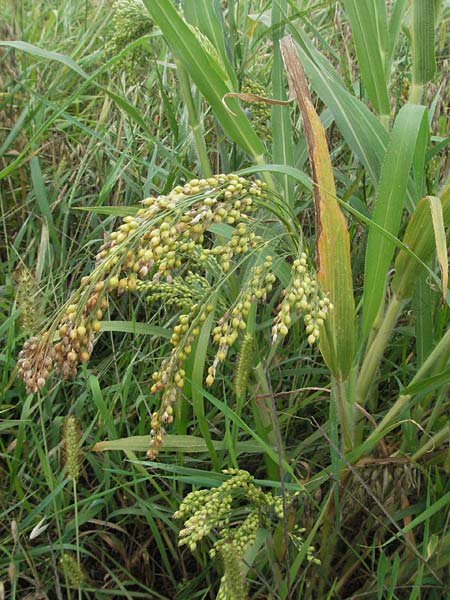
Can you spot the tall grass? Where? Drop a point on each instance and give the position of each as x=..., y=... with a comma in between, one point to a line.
x=345, y=443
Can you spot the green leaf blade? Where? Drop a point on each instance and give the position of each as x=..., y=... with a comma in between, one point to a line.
x=389, y=205
x=203, y=71
x=369, y=27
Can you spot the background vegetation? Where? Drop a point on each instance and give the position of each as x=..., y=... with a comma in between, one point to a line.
x=103, y=104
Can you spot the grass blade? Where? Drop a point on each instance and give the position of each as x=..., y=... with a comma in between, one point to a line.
x=420, y=238
x=135, y=328
x=173, y=443
x=437, y=217
x=282, y=146
x=42, y=199
x=395, y=22
x=205, y=72
x=369, y=26
x=423, y=46
x=201, y=13
x=361, y=129
x=389, y=206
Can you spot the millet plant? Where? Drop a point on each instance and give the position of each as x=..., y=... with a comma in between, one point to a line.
x=288, y=264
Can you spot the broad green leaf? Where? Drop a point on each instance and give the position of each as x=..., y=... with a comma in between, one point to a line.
x=388, y=209
x=420, y=238
x=428, y=384
x=173, y=443
x=203, y=71
x=296, y=174
x=423, y=309
x=362, y=130
x=368, y=21
x=337, y=338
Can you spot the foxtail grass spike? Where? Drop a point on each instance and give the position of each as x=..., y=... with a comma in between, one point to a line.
x=244, y=365
x=75, y=574
x=71, y=443
x=27, y=299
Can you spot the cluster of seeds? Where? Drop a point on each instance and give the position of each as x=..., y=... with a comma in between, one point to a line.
x=169, y=380
x=233, y=583
x=77, y=332
x=239, y=243
x=69, y=565
x=152, y=252
x=298, y=540
x=260, y=111
x=71, y=447
x=231, y=551
x=164, y=236
x=129, y=22
x=226, y=332
x=180, y=292
x=205, y=511
x=302, y=297
x=35, y=362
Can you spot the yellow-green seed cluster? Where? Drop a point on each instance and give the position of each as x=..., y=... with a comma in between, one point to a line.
x=244, y=365
x=169, y=380
x=27, y=298
x=71, y=445
x=180, y=292
x=240, y=243
x=297, y=539
x=129, y=22
x=233, y=585
x=164, y=236
x=226, y=332
x=261, y=112
x=207, y=510
x=68, y=564
x=302, y=297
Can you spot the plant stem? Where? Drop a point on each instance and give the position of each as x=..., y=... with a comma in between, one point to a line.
x=50, y=483
x=344, y=407
x=433, y=442
x=375, y=351
x=416, y=93
x=77, y=531
x=263, y=415
x=442, y=347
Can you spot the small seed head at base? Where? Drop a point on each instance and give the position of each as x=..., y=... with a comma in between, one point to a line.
x=71, y=443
